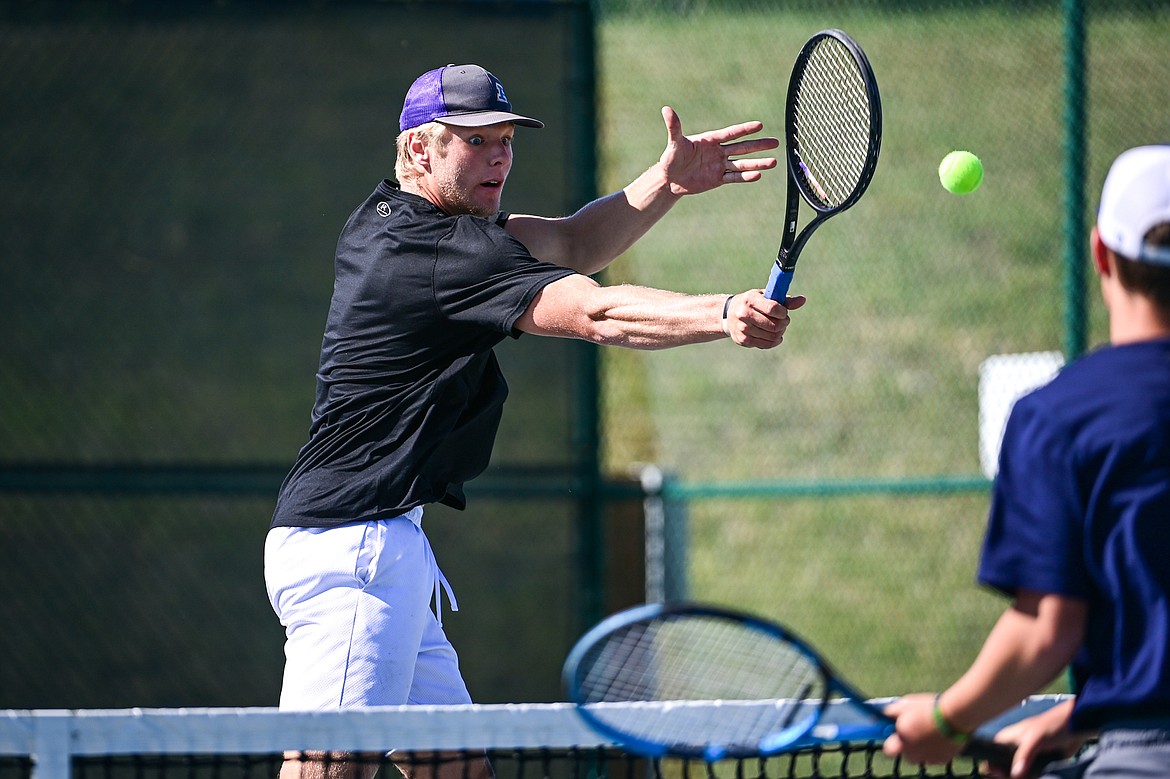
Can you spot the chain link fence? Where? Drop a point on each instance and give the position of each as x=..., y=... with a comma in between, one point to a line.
x=835, y=483
x=175, y=176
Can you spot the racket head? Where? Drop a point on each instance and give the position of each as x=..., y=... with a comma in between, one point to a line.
x=772, y=688
x=832, y=131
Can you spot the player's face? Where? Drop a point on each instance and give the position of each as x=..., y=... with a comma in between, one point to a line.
x=468, y=176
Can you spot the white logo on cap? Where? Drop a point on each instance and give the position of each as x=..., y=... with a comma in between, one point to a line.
x=384, y=209
x=500, y=93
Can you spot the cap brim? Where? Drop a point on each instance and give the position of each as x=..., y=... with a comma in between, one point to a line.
x=485, y=118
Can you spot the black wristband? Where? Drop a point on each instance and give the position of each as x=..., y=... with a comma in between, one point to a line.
x=726, y=306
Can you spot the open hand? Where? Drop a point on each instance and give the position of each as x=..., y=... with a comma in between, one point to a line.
x=698, y=163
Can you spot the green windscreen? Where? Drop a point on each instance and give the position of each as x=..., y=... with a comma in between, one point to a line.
x=174, y=178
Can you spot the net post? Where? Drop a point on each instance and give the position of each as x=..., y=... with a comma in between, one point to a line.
x=677, y=543
x=652, y=507
x=666, y=537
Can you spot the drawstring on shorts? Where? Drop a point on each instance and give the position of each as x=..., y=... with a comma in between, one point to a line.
x=441, y=583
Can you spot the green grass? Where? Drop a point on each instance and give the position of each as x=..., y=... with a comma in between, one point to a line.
x=908, y=293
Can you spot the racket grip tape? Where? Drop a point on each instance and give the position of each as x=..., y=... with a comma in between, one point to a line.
x=1000, y=756
x=778, y=283
x=997, y=754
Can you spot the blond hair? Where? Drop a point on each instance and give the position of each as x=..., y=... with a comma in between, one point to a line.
x=432, y=134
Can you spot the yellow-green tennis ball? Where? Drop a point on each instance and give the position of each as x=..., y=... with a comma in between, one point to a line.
x=960, y=172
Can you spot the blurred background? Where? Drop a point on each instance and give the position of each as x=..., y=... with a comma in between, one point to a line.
x=174, y=179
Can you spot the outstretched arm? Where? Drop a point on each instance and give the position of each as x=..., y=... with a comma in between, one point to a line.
x=592, y=238
x=645, y=318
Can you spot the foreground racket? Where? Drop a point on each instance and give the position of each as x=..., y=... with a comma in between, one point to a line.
x=771, y=688
x=832, y=133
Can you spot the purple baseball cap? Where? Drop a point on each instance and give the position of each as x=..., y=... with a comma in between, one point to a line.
x=462, y=95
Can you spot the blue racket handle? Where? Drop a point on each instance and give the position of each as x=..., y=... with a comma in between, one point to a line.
x=859, y=732
x=844, y=733
x=778, y=283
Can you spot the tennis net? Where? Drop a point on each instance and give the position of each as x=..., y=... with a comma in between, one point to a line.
x=520, y=741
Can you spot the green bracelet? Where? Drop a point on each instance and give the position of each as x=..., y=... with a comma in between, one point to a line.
x=945, y=728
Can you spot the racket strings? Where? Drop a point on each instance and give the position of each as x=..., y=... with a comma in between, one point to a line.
x=832, y=123
x=704, y=681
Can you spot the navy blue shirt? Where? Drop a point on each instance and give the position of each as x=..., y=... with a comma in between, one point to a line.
x=409, y=393
x=1081, y=508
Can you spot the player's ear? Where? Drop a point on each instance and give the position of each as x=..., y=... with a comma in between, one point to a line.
x=419, y=149
x=1100, y=254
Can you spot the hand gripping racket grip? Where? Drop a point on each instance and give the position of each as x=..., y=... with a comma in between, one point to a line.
x=778, y=283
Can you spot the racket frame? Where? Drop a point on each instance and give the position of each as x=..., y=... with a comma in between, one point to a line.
x=794, y=736
x=791, y=244
x=808, y=732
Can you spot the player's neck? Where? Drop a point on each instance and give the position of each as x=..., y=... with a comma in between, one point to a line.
x=1134, y=318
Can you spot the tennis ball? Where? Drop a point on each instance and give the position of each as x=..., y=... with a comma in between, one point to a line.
x=960, y=172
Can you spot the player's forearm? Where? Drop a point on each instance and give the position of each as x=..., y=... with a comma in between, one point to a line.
x=612, y=225
x=597, y=234
x=643, y=318
x=624, y=315
x=1025, y=651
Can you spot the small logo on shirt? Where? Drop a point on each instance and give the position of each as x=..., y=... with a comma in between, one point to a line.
x=384, y=209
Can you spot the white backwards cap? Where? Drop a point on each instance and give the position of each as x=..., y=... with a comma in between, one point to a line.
x=1135, y=199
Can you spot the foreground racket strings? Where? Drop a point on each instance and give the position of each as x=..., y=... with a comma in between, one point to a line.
x=768, y=688
x=695, y=681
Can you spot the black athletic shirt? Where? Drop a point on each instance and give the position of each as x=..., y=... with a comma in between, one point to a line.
x=409, y=393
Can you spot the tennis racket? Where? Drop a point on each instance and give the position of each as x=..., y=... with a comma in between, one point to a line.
x=832, y=133
x=732, y=685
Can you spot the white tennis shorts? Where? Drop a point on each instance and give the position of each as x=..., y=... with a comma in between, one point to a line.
x=355, y=601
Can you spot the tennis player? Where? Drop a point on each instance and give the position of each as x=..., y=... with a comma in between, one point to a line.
x=1079, y=528
x=430, y=276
